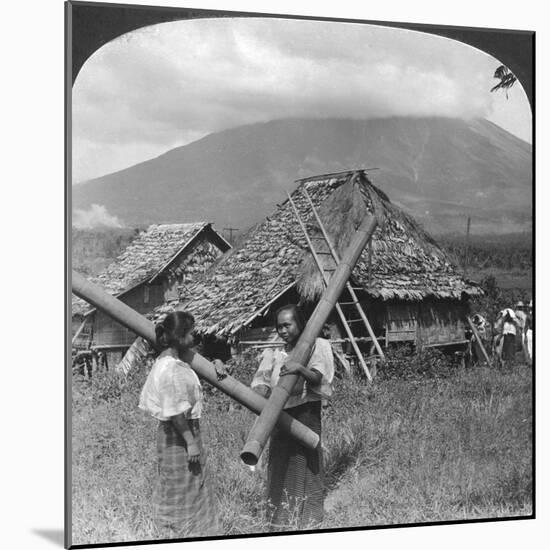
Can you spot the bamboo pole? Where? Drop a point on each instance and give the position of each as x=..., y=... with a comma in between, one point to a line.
x=126, y=316
x=300, y=354
x=477, y=337
x=467, y=251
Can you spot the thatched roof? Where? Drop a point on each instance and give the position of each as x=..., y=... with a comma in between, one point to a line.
x=406, y=262
x=147, y=257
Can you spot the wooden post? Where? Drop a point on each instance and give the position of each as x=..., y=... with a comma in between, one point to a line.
x=79, y=330
x=300, y=354
x=94, y=362
x=129, y=318
x=466, y=252
x=479, y=341
x=231, y=230
x=370, y=263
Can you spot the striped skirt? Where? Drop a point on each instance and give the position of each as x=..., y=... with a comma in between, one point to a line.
x=183, y=501
x=509, y=347
x=296, y=489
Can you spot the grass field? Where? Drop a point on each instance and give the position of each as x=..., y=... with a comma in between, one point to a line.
x=420, y=444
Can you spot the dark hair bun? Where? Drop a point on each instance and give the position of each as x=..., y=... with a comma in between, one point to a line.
x=174, y=325
x=160, y=334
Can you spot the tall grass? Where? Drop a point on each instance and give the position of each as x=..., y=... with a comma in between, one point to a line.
x=440, y=444
x=435, y=450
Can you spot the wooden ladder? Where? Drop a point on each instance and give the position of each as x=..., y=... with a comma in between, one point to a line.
x=326, y=274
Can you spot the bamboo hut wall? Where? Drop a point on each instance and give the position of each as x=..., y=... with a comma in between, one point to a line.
x=142, y=299
x=426, y=322
x=85, y=336
x=402, y=321
x=441, y=322
x=76, y=322
x=147, y=296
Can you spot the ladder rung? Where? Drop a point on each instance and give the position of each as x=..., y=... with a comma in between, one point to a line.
x=354, y=320
x=323, y=253
x=347, y=303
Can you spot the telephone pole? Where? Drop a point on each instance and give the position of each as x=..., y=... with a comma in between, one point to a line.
x=231, y=230
x=467, y=251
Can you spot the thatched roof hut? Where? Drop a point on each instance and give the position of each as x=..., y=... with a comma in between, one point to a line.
x=273, y=263
x=154, y=268
x=153, y=253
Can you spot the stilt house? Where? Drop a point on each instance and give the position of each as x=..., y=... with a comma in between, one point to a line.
x=155, y=268
x=408, y=286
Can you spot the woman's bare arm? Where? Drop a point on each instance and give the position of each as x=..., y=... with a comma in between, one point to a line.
x=262, y=389
x=190, y=436
x=312, y=376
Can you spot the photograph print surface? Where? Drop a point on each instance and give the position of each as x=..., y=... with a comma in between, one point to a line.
x=302, y=271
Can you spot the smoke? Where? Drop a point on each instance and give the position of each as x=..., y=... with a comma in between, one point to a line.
x=96, y=216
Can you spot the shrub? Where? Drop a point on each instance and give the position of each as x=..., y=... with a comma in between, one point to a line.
x=405, y=364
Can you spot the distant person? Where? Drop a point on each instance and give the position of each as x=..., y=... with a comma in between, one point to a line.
x=506, y=327
x=295, y=478
x=482, y=326
x=520, y=314
x=528, y=336
x=529, y=310
x=183, y=502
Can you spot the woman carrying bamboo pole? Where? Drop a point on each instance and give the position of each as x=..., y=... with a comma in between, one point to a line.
x=295, y=482
x=183, y=502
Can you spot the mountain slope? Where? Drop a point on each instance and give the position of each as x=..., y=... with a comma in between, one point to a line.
x=439, y=169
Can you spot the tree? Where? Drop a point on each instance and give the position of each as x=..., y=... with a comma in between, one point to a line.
x=506, y=77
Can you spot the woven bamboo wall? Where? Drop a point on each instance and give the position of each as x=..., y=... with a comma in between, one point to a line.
x=426, y=323
x=441, y=322
x=142, y=299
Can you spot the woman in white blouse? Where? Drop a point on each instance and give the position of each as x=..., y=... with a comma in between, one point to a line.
x=183, y=502
x=295, y=482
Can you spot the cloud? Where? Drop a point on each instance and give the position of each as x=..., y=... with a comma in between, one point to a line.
x=96, y=216
x=169, y=84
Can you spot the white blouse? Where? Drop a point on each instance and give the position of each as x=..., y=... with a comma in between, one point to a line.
x=172, y=388
x=321, y=360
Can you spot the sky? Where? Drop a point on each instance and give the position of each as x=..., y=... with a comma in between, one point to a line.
x=170, y=84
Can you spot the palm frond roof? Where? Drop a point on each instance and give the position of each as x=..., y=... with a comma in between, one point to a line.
x=145, y=258
x=406, y=263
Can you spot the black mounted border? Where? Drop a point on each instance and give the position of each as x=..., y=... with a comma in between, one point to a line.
x=96, y=23
x=91, y=25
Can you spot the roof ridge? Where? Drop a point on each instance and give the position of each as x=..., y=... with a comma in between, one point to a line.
x=334, y=174
x=175, y=226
